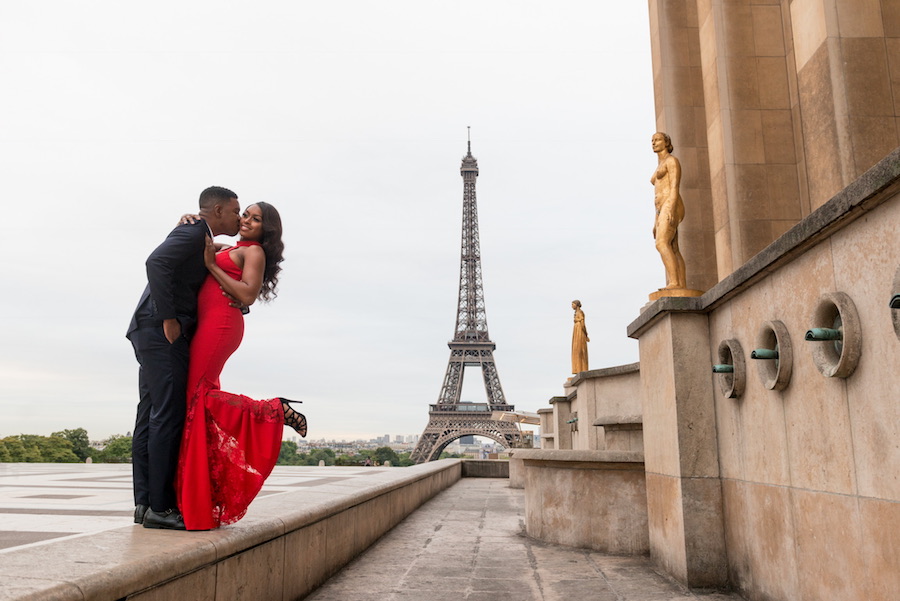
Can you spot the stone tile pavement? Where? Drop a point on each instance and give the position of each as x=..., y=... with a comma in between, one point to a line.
x=469, y=543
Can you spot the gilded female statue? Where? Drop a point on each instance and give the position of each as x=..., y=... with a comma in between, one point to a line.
x=669, y=210
x=579, y=340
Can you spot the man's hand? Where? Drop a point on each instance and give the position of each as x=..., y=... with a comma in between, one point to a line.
x=209, y=253
x=235, y=302
x=172, y=330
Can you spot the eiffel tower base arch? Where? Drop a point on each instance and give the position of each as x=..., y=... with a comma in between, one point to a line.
x=446, y=426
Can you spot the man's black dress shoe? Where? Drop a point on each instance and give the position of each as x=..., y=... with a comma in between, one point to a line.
x=139, y=511
x=170, y=519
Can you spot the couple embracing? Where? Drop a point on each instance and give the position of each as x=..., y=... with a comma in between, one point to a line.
x=200, y=454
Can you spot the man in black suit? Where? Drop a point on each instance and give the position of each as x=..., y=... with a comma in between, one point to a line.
x=160, y=333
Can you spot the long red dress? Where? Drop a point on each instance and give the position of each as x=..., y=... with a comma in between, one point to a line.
x=230, y=442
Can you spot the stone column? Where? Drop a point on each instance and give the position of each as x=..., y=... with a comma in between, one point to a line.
x=548, y=430
x=751, y=129
x=562, y=413
x=684, y=495
x=846, y=58
x=680, y=112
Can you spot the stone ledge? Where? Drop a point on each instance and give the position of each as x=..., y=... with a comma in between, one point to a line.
x=619, y=420
x=606, y=372
x=576, y=457
x=564, y=399
x=286, y=546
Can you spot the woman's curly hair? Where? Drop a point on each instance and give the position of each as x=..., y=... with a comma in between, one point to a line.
x=274, y=249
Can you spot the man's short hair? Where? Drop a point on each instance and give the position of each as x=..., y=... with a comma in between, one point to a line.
x=215, y=195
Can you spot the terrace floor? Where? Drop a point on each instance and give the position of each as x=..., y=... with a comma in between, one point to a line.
x=468, y=542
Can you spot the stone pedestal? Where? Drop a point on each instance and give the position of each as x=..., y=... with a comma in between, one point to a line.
x=684, y=495
x=622, y=432
x=676, y=292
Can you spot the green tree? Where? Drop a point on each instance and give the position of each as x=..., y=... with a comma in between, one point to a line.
x=405, y=461
x=81, y=444
x=33, y=454
x=55, y=449
x=4, y=453
x=117, y=449
x=383, y=454
x=347, y=460
x=288, y=454
x=32, y=448
x=14, y=448
x=316, y=455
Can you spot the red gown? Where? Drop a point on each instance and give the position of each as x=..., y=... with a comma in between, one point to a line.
x=230, y=442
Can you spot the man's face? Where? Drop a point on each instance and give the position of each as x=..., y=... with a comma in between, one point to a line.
x=231, y=217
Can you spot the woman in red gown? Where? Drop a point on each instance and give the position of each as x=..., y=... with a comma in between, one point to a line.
x=230, y=442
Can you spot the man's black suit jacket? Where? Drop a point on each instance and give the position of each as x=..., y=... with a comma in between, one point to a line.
x=175, y=272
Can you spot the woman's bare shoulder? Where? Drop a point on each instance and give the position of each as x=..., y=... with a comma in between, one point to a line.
x=254, y=253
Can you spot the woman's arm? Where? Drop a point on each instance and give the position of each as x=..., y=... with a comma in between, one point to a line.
x=246, y=290
x=191, y=219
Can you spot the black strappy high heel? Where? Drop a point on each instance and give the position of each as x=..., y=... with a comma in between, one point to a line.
x=292, y=418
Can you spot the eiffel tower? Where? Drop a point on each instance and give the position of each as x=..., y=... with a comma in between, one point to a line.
x=450, y=419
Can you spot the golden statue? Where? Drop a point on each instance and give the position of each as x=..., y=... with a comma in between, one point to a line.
x=666, y=181
x=579, y=340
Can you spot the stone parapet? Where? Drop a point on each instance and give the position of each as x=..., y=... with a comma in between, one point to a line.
x=589, y=499
x=485, y=468
x=600, y=394
x=287, y=546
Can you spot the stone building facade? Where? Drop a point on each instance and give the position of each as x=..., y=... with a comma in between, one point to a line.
x=781, y=478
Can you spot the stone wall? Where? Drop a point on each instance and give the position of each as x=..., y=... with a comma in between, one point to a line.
x=783, y=480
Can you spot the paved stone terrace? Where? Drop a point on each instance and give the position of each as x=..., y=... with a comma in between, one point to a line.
x=469, y=543
x=42, y=502
x=466, y=543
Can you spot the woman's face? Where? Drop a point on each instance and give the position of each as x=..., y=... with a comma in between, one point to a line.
x=252, y=224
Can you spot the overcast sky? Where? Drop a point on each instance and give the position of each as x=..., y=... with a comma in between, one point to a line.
x=350, y=117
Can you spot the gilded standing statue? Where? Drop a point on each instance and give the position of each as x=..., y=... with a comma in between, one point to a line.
x=579, y=340
x=666, y=181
